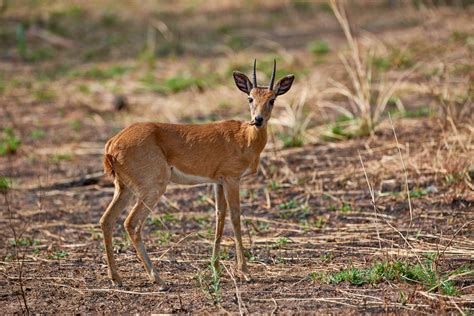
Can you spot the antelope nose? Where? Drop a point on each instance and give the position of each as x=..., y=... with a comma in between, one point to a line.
x=259, y=119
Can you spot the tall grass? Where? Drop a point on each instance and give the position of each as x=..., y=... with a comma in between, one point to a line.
x=294, y=121
x=368, y=96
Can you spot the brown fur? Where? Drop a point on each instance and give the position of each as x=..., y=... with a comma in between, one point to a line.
x=208, y=150
x=145, y=157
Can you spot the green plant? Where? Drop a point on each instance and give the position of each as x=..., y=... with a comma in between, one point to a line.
x=45, y=95
x=183, y=82
x=100, y=73
x=395, y=271
x=215, y=285
x=402, y=297
x=353, y=276
x=58, y=255
x=302, y=5
x=24, y=242
x=152, y=83
x=318, y=48
x=293, y=203
x=21, y=41
x=5, y=184
x=210, y=285
x=263, y=227
x=76, y=125
x=346, y=207
x=164, y=236
x=282, y=241
x=290, y=141
x=9, y=142
x=320, y=222
x=122, y=243
x=326, y=257
x=95, y=234
x=83, y=88
x=274, y=185
x=418, y=193
x=37, y=134
x=401, y=59
x=3, y=84
x=167, y=218
x=204, y=198
x=57, y=158
x=316, y=276
x=249, y=255
x=423, y=111
x=236, y=42
x=381, y=63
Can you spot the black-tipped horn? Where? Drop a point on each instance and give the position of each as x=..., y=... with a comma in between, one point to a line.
x=255, y=73
x=272, y=80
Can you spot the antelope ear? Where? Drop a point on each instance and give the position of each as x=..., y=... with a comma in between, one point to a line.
x=284, y=84
x=242, y=82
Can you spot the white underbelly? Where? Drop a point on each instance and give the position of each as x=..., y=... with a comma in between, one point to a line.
x=179, y=177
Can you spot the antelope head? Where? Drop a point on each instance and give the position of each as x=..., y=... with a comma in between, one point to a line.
x=262, y=98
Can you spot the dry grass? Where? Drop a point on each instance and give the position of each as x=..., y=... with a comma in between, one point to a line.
x=368, y=96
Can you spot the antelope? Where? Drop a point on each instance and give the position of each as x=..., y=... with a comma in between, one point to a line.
x=145, y=157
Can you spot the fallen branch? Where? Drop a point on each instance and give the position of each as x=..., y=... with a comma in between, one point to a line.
x=50, y=37
x=88, y=179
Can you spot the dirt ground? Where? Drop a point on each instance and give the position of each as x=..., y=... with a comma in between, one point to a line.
x=307, y=215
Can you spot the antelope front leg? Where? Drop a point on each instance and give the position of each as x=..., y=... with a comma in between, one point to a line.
x=221, y=210
x=231, y=190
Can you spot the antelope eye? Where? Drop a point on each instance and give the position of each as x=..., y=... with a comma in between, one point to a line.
x=250, y=99
x=271, y=102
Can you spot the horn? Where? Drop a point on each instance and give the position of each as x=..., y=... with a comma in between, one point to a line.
x=255, y=73
x=272, y=80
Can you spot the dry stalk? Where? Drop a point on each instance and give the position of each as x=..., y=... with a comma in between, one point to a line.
x=440, y=256
x=16, y=239
x=404, y=169
x=276, y=307
x=394, y=228
x=372, y=195
x=242, y=309
x=174, y=245
x=19, y=262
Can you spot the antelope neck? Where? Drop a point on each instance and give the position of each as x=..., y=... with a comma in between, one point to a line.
x=256, y=136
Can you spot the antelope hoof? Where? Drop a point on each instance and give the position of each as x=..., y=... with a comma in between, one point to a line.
x=163, y=286
x=247, y=277
x=155, y=278
x=116, y=279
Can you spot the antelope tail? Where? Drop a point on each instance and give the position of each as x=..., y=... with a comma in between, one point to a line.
x=109, y=164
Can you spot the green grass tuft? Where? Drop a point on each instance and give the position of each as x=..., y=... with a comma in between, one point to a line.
x=319, y=48
x=45, y=95
x=57, y=158
x=37, y=134
x=8, y=142
x=393, y=271
x=5, y=184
